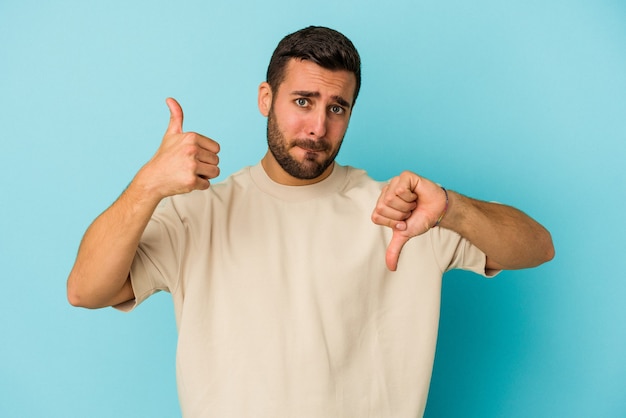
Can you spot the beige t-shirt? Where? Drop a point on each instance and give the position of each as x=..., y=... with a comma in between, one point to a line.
x=283, y=302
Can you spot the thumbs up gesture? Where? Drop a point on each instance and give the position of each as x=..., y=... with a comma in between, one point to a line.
x=184, y=162
x=410, y=205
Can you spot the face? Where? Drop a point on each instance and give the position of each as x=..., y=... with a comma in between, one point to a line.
x=308, y=117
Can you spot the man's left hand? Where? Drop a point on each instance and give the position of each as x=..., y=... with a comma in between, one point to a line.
x=410, y=205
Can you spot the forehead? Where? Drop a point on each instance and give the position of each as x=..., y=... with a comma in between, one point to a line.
x=304, y=75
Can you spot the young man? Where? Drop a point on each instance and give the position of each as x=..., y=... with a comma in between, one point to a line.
x=301, y=287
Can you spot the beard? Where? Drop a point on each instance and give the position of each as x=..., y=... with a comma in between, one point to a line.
x=308, y=169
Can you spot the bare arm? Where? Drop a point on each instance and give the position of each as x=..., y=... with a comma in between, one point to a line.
x=100, y=274
x=184, y=162
x=411, y=205
x=510, y=238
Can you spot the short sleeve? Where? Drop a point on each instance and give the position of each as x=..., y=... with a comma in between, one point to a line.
x=156, y=264
x=455, y=252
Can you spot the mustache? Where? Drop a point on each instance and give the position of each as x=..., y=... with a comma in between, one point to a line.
x=310, y=144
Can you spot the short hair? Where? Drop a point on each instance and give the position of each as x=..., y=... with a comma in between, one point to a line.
x=324, y=46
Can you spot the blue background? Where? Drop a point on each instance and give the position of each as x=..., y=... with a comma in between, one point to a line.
x=522, y=102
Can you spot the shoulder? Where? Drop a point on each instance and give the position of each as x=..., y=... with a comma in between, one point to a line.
x=359, y=179
x=217, y=194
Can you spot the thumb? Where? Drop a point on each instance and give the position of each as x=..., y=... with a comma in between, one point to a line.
x=394, y=248
x=176, y=117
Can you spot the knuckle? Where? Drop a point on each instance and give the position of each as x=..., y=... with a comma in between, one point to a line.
x=212, y=172
x=190, y=150
x=189, y=181
x=190, y=138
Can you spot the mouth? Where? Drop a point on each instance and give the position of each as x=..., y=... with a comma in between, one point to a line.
x=311, y=146
x=310, y=151
x=308, y=154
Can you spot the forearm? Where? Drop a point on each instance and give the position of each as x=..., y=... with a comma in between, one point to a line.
x=100, y=273
x=184, y=162
x=509, y=238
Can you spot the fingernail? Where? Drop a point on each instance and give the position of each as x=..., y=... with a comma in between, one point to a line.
x=401, y=226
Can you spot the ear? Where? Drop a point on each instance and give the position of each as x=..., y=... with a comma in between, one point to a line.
x=265, y=98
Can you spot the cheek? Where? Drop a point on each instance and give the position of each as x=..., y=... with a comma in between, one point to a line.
x=284, y=119
x=337, y=130
x=291, y=126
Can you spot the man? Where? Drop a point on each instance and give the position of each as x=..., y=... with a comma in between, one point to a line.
x=301, y=288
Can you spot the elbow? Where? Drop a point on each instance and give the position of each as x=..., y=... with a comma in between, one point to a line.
x=85, y=293
x=548, y=252
x=74, y=300
x=79, y=301
x=76, y=296
x=540, y=251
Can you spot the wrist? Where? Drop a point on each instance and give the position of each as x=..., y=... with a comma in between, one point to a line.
x=143, y=190
x=445, y=208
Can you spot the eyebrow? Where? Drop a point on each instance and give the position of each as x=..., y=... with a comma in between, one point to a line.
x=338, y=99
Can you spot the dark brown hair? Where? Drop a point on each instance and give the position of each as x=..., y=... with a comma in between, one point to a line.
x=325, y=47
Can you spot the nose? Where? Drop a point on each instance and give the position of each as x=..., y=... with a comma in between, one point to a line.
x=316, y=127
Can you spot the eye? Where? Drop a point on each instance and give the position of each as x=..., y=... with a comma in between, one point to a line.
x=337, y=110
x=302, y=102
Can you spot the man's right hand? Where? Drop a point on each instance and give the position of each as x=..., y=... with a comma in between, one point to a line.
x=184, y=162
